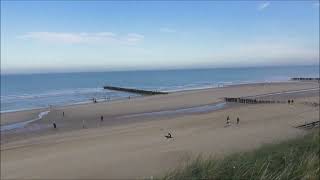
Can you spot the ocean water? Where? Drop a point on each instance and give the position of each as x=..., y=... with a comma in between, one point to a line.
x=28, y=91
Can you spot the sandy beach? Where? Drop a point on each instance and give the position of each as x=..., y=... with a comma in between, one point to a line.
x=129, y=145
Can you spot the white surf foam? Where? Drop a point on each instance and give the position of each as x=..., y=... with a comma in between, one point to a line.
x=24, y=123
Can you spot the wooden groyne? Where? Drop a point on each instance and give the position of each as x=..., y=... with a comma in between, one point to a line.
x=305, y=79
x=310, y=125
x=251, y=101
x=132, y=90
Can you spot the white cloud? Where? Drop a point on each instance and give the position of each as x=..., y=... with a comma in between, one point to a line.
x=167, y=30
x=106, y=34
x=78, y=38
x=133, y=38
x=263, y=6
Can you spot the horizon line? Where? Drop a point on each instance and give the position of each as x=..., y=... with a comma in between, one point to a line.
x=151, y=69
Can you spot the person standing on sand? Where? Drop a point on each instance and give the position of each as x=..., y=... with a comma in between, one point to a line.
x=101, y=118
x=54, y=125
x=238, y=120
x=228, y=120
x=63, y=114
x=83, y=124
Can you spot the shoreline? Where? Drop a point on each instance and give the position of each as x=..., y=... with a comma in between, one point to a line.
x=188, y=110
x=101, y=101
x=142, y=96
x=158, y=111
x=22, y=124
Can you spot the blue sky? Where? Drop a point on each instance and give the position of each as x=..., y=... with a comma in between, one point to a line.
x=104, y=35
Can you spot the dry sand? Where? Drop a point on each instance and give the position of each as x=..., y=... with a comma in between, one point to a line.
x=138, y=149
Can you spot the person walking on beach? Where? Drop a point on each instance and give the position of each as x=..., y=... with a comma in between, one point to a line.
x=63, y=114
x=228, y=120
x=101, y=118
x=238, y=120
x=54, y=125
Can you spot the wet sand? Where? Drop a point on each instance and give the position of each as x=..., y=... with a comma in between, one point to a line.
x=135, y=147
x=19, y=116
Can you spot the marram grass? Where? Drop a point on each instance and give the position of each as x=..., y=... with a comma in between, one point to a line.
x=290, y=160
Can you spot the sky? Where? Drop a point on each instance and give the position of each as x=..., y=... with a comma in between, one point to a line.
x=71, y=36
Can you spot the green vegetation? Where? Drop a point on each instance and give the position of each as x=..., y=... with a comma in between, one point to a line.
x=293, y=159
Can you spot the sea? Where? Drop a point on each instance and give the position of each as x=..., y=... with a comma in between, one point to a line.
x=32, y=91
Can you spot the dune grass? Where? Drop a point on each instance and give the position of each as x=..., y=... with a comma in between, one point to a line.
x=293, y=159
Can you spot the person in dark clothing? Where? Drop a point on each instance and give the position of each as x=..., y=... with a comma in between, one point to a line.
x=54, y=125
x=101, y=118
x=168, y=136
x=238, y=120
x=292, y=101
x=63, y=114
x=288, y=101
